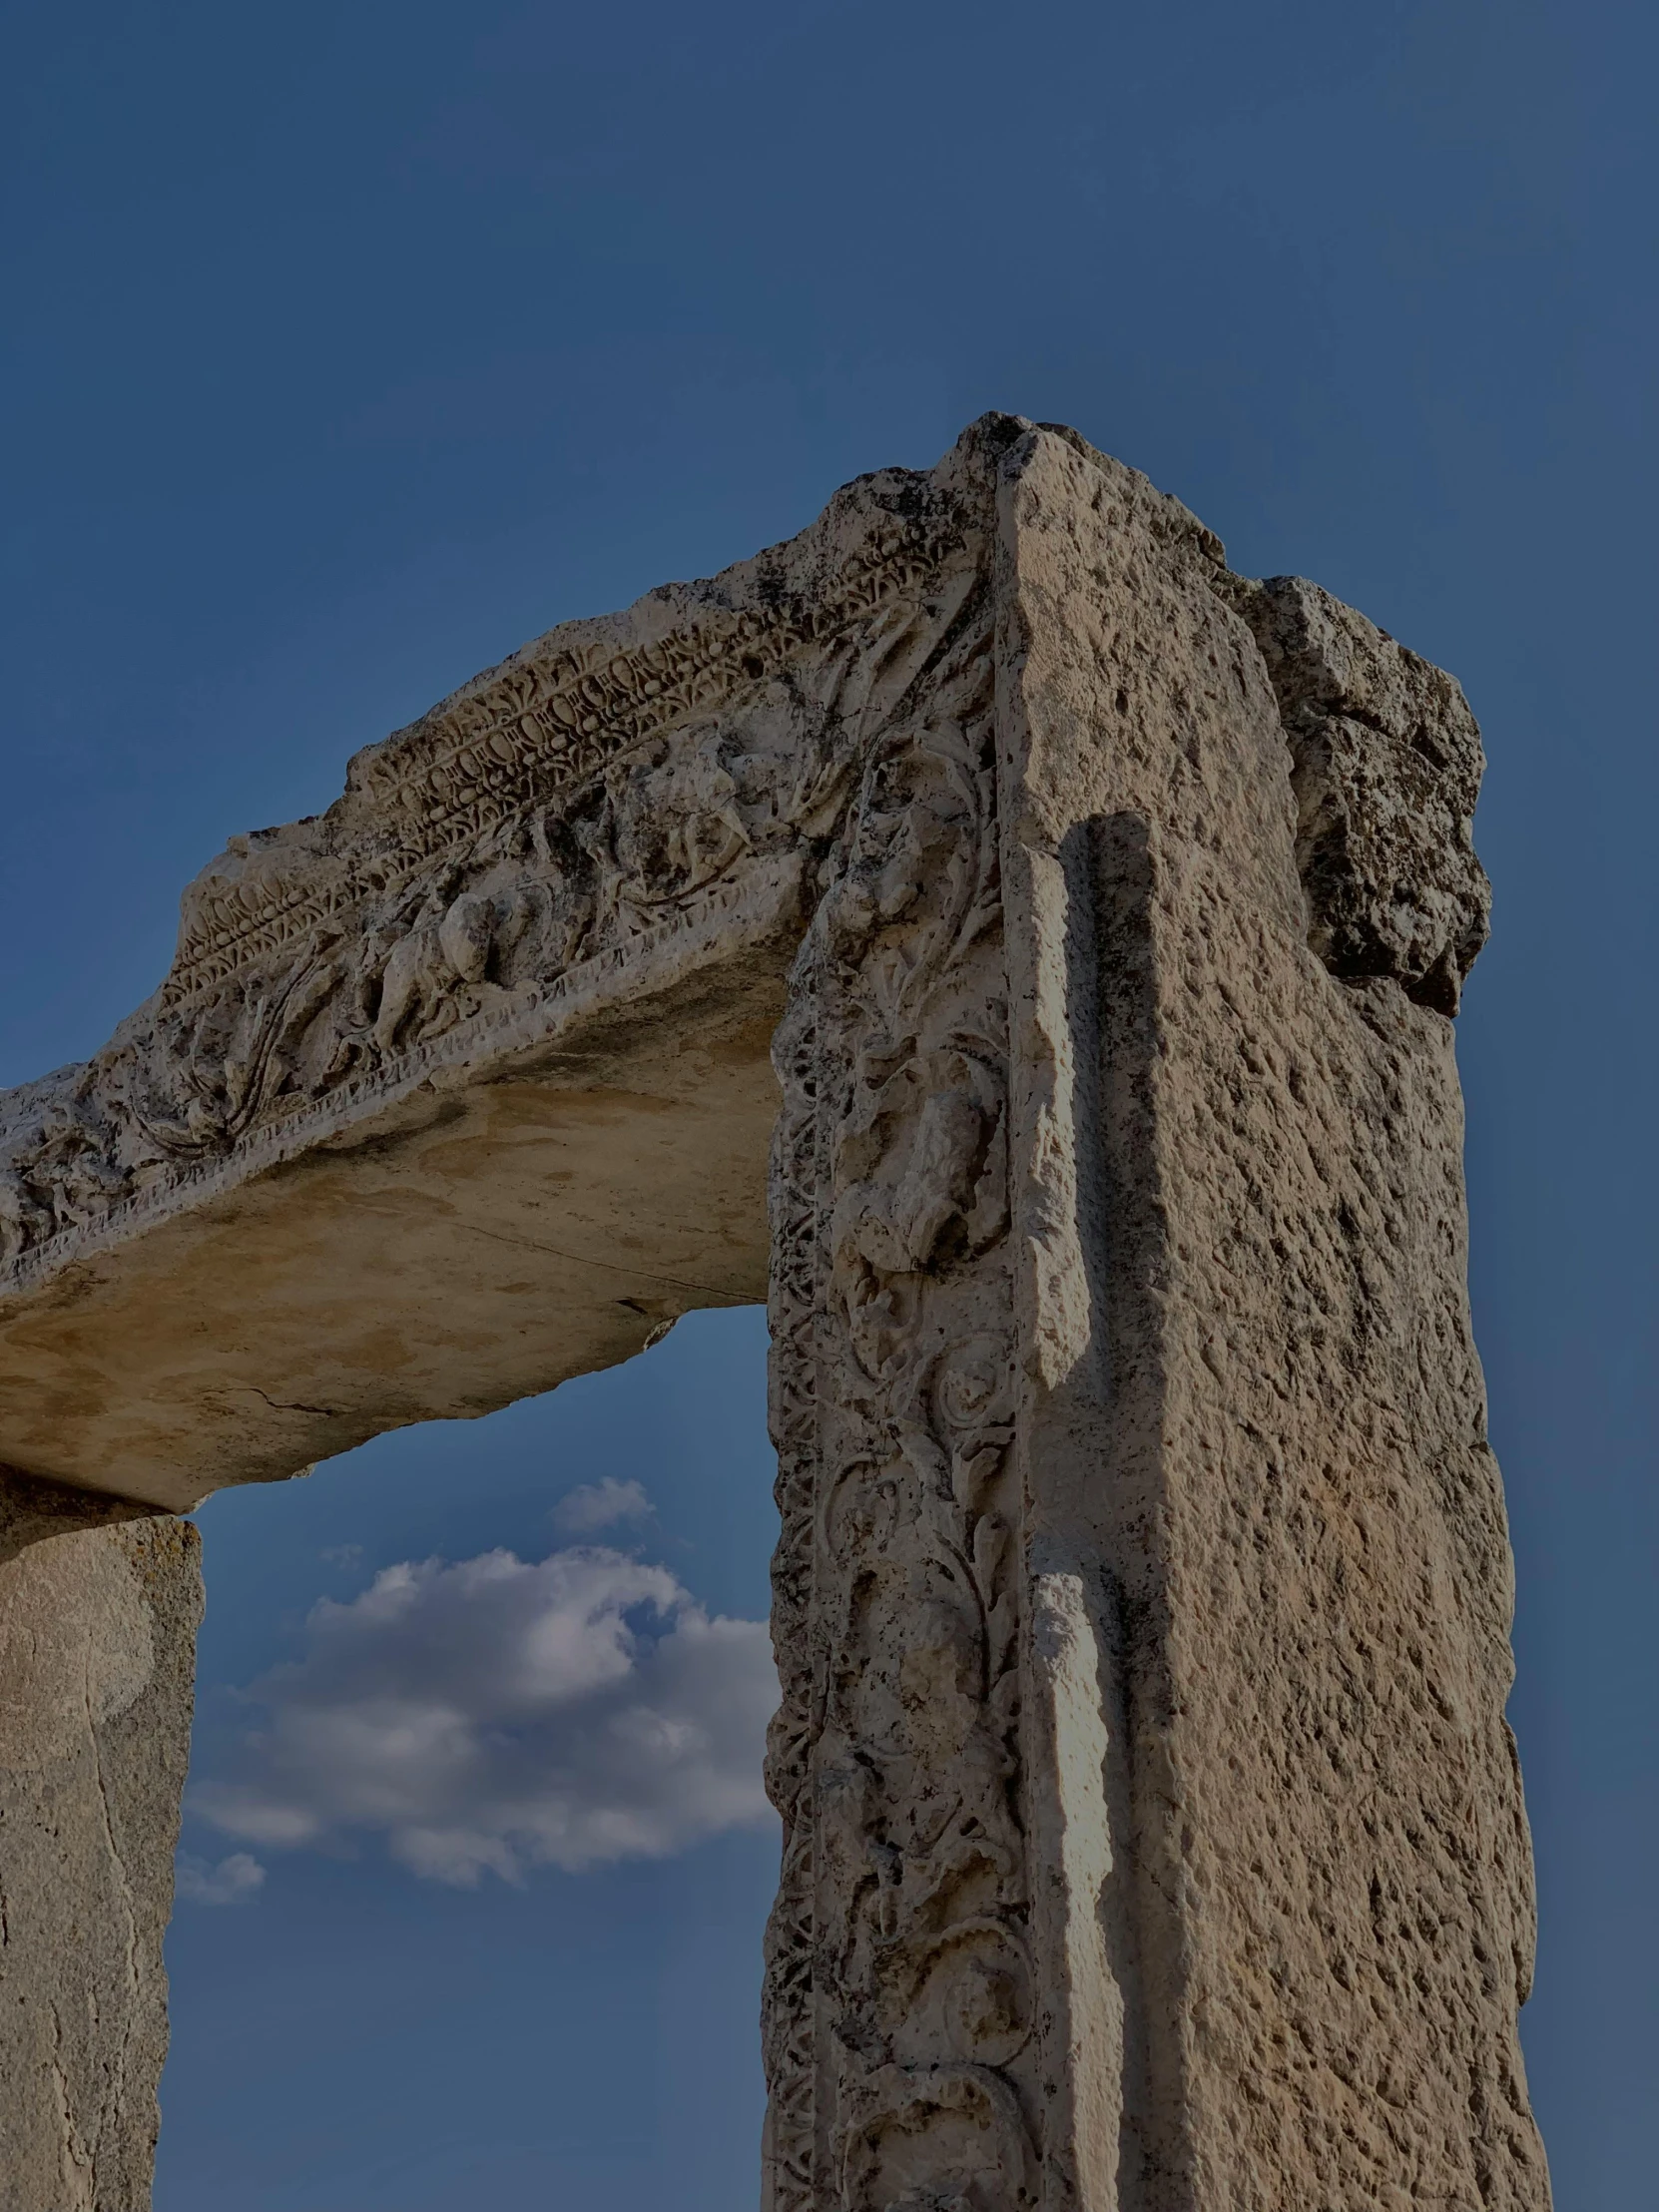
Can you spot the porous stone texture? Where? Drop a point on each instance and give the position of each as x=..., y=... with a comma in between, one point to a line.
x=98, y=1615
x=1385, y=766
x=1259, y=1452
x=1151, y=1835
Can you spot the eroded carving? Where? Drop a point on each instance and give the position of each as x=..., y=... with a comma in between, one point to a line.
x=563, y=813
x=544, y=722
x=895, y=1760
x=1386, y=768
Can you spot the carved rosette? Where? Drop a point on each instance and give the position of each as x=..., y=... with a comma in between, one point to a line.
x=899, y=1998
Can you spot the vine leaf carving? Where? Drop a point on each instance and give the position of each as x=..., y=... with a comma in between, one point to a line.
x=903, y=1762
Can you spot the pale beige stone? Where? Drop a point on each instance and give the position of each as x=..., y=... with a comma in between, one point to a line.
x=1263, y=1447
x=1152, y=1832
x=98, y=1619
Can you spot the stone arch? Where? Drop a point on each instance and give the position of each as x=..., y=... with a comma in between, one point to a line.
x=1024, y=951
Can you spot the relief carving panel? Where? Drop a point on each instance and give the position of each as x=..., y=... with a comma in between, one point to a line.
x=900, y=1989
x=596, y=798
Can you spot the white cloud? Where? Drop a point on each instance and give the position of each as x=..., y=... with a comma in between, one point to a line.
x=599, y=1506
x=497, y=1714
x=232, y=1882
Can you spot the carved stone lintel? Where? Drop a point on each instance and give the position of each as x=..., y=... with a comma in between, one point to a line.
x=615, y=782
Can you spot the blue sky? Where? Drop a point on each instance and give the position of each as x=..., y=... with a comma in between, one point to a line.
x=345, y=346
x=354, y=2034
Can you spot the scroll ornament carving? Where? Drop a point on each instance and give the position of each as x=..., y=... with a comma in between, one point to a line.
x=901, y=1760
x=307, y=977
x=549, y=720
x=64, y=1176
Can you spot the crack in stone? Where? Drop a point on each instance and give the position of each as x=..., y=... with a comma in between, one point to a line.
x=293, y=1405
x=611, y=1266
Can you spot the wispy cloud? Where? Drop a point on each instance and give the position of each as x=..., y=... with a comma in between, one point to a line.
x=594, y=1505
x=232, y=1881
x=497, y=1714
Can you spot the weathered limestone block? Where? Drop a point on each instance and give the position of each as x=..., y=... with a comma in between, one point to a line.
x=1153, y=1839
x=1385, y=766
x=1259, y=1461
x=99, y=1606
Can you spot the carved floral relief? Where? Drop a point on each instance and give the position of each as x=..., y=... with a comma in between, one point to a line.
x=902, y=1925
x=321, y=958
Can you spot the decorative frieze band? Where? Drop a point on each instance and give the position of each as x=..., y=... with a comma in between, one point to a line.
x=529, y=731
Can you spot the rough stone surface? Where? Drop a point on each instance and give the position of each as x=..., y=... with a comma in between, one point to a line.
x=31, y=1509
x=97, y=1652
x=1153, y=1841
x=1386, y=766
x=1269, y=1473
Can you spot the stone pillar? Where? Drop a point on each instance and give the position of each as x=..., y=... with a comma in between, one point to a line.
x=99, y=1606
x=1153, y=1837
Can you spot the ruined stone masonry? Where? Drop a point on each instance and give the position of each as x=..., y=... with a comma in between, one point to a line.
x=1026, y=952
